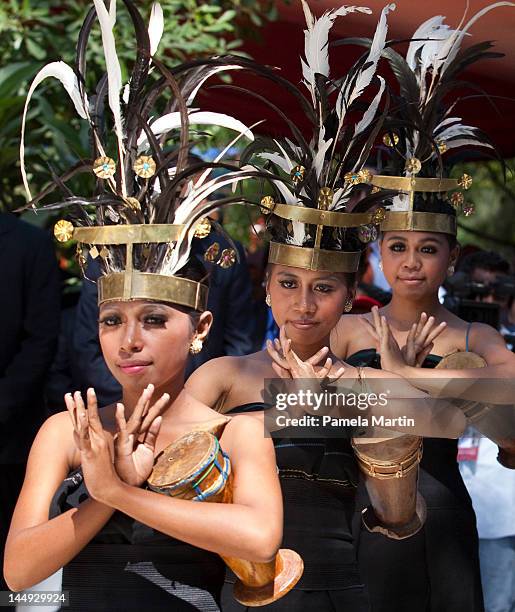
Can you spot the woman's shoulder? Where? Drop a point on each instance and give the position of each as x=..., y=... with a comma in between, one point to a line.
x=227, y=364
x=244, y=430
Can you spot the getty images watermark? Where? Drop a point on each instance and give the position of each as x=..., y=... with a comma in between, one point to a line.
x=307, y=409
x=354, y=409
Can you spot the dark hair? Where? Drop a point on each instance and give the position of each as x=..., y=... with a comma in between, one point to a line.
x=484, y=260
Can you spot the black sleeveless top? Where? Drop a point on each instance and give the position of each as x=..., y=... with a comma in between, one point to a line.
x=129, y=566
x=318, y=480
x=436, y=570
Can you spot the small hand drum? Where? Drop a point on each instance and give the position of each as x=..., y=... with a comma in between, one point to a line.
x=194, y=467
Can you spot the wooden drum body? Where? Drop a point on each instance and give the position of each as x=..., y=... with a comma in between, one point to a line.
x=194, y=467
x=390, y=468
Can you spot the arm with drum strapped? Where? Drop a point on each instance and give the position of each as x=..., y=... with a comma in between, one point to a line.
x=481, y=381
x=38, y=546
x=250, y=527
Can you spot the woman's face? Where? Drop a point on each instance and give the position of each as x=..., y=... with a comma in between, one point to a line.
x=415, y=263
x=308, y=303
x=146, y=342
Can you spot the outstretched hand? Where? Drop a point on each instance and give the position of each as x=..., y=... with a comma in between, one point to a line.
x=136, y=438
x=94, y=443
x=387, y=347
x=420, y=340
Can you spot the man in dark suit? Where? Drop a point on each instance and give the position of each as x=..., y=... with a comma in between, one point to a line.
x=29, y=325
x=230, y=301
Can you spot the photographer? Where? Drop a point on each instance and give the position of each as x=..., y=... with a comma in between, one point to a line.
x=483, y=290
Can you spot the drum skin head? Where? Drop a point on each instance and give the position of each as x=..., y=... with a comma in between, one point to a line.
x=183, y=459
x=461, y=360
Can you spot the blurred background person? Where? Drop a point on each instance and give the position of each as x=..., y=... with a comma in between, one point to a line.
x=29, y=327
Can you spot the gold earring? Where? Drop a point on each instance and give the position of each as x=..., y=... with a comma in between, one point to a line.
x=195, y=346
x=348, y=305
x=268, y=300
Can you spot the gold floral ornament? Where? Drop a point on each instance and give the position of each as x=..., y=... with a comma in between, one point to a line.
x=353, y=178
x=297, y=174
x=267, y=202
x=227, y=258
x=203, y=228
x=325, y=198
x=442, y=147
x=212, y=252
x=465, y=181
x=375, y=189
x=457, y=199
x=387, y=139
x=413, y=165
x=379, y=216
x=365, y=175
x=367, y=233
x=63, y=230
x=144, y=166
x=104, y=167
x=468, y=209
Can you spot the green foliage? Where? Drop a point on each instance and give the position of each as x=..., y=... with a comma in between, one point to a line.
x=492, y=226
x=35, y=32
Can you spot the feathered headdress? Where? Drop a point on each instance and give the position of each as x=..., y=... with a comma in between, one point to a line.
x=151, y=196
x=313, y=224
x=423, y=126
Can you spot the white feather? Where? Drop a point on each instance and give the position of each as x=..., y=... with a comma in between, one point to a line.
x=285, y=155
x=425, y=30
x=400, y=203
x=68, y=78
x=278, y=160
x=428, y=62
x=298, y=236
x=172, y=121
x=365, y=76
x=184, y=215
x=462, y=142
x=222, y=153
x=209, y=74
x=336, y=198
x=114, y=72
x=156, y=26
x=289, y=196
x=451, y=48
x=456, y=130
x=316, y=42
x=446, y=122
x=318, y=161
x=371, y=111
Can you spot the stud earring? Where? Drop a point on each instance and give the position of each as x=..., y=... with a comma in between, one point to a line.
x=195, y=346
x=450, y=270
x=348, y=305
x=381, y=265
x=268, y=300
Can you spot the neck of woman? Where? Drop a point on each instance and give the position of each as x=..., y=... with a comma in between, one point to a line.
x=173, y=387
x=305, y=351
x=406, y=311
